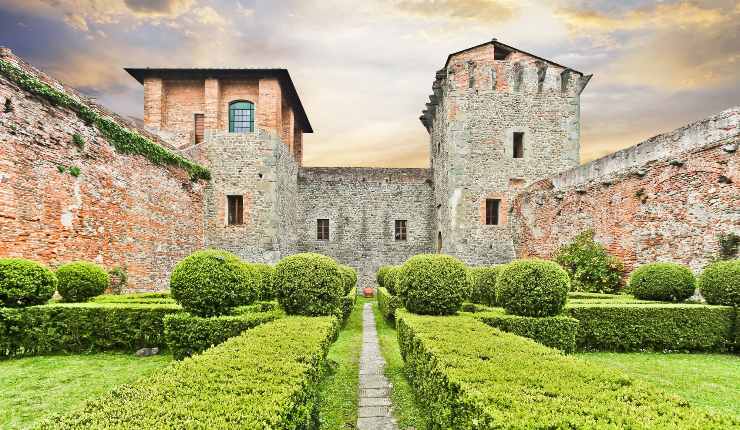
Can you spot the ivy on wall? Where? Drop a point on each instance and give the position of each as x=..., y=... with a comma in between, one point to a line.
x=121, y=138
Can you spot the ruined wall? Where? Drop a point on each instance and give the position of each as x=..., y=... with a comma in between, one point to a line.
x=479, y=102
x=665, y=199
x=362, y=205
x=120, y=211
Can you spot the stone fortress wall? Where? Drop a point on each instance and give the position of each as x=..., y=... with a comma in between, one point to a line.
x=121, y=210
x=666, y=199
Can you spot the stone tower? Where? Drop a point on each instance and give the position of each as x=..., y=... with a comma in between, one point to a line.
x=499, y=119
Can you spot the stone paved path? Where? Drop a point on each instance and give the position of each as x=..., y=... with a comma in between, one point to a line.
x=375, y=402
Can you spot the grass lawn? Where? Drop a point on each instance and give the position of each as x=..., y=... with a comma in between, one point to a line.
x=407, y=411
x=338, y=391
x=711, y=381
x=35, y=387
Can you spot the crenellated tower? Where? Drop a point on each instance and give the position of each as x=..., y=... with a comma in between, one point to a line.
x=499, y=119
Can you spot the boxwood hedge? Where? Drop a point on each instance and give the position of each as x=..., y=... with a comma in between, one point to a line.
x=432, y=284
x=309, y=284
x=348, y=303
x=188, y=334
x=390, y=280
x=482, y=282
x=533, y=288
x=349, y=276
x=720, y=283
x=25, y=283
x=265, y=273
x=557, y=332
x=81, y=327
x=265, y=378
x=79, y=281
x=654, y=327
x=387, y=303
x=473, y=376
x=668, y=282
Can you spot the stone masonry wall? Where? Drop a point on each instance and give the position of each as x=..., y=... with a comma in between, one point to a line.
x=362, y=205
x=477, y=105
x=665, y=199
x=120, y=211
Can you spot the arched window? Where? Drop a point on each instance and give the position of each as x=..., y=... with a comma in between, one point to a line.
x=241, y=117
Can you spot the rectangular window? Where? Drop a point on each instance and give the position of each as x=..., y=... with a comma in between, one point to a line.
x=400, y=229
x=199, y=127
x=518, y=144
x=492, y=206
x=322, y=229
x=236, y=210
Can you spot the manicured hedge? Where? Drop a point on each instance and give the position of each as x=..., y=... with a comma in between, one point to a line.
x=390, y=280
x=349, y=276
x=532, y=288
x=188, y=334
x=557, y=332
x=25, y=283
x=472, y=376
x=720, y=283
x=348, y=303
x=388, y=303
x=432, y=284
x=653, y=327
x=380, y=275
x=141, y=298
x=81, y=327
x=309, y=284
x=668, y=282
x=483, y=284
x=265, y=378
x=79, y=281
x=265, y=273
x=256, y=307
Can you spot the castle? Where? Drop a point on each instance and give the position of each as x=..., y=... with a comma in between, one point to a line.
x=504, y=126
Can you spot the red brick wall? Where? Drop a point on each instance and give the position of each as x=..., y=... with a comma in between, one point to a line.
x=182, y=100
x=664, y=200
x=120, y=211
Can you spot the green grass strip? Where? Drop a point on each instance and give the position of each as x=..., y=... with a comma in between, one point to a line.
x=121, y=138
x=338, y=391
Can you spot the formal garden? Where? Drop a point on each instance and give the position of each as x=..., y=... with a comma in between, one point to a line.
x=568, y=343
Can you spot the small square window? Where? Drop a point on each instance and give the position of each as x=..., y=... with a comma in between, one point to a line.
x=492, y=208
x=322, y=229
x=518, y=144
x=236, y=210
x=400, y=229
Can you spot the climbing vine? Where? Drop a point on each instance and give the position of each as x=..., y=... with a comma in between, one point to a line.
x=121, y=138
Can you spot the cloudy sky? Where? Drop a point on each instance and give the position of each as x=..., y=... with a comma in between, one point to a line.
x=364, y=68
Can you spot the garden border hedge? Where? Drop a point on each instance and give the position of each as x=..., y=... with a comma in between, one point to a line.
x=557, y=332
x=388, y=303
x=348, y=303
x=187, y=334
x=473, y=376
x=656, y=327
x=81, y=327
x=265, y=378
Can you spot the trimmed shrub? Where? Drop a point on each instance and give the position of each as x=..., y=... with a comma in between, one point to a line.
x=349, y=277
x=309, y=284
x=669, y=282
x=348, y=304
x=380, y=275
x=265, y=273
x=432, y=284
x=652, y=327
x=187, y=334
x=265, y=378
x=80, y=281
x=482, y=282
x=557, y=332
x=390, y=282
x=140, y=298
x=255, y=307
x=212, y=282
x=590, y=266
x=473, y=376
x=532, y=288
x=81, y=328
x=25, y=283
x=387, y=303
x=719, y=283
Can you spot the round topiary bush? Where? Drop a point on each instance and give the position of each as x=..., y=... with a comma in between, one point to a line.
x=390, y=282
x=380, y=275
x=309, y=284
x=719, y=283
x=669, y=282
x=432, y=284
x=25, y=283
x=79, y=281
x=482, y=282
x=349, y=276
x=265, y=272
x=212, y=282
x=533, y=288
